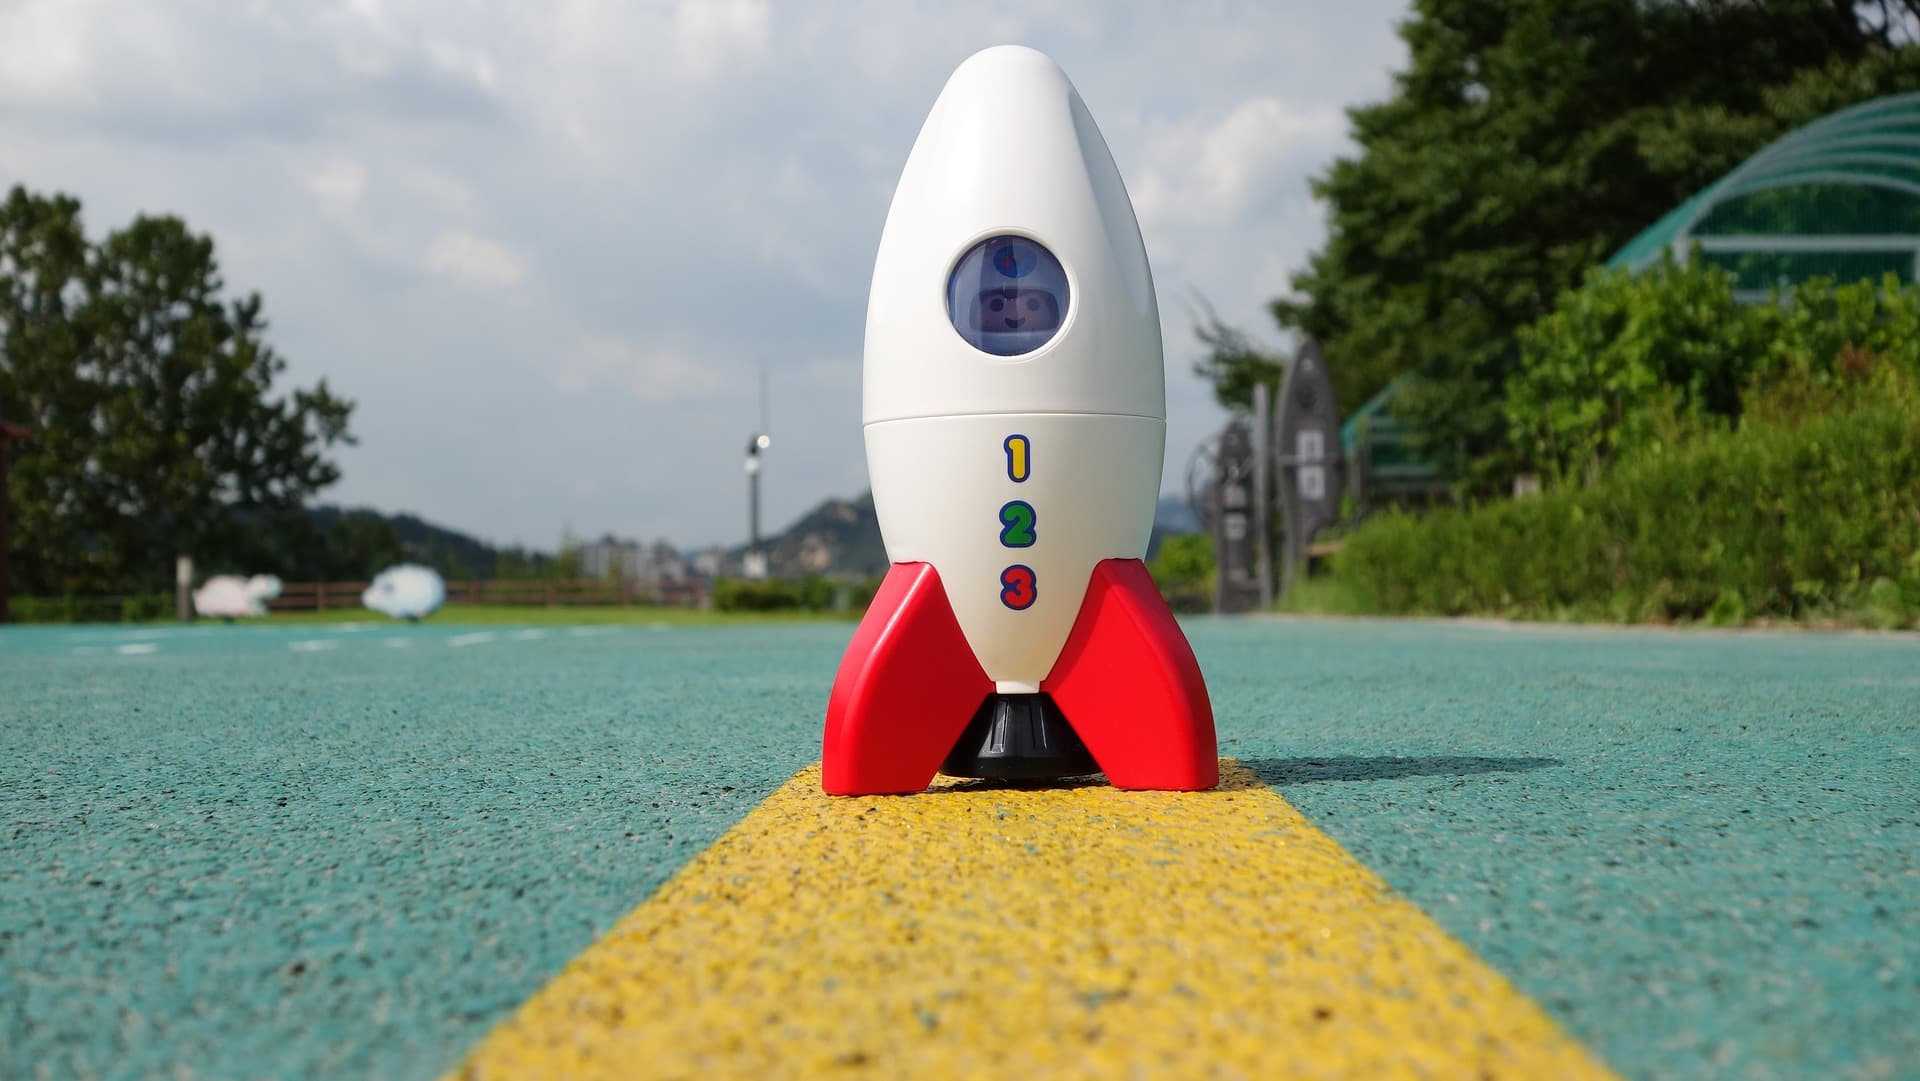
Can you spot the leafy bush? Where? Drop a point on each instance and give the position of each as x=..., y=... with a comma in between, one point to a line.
x=135, y=608
x=766, y=595
x=1183, y=569
x=1830, y=333
x=1626, y=360
x=147, y=607
x=811, y=594
x=860, y=594
x=1791, y=516
x=1610, y=347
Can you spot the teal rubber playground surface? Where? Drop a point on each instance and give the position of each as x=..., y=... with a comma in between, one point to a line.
x=313, y=851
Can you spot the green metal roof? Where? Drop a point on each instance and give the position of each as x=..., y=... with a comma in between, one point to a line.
x=1370, y=414
x=1393, y=464
x=1839, y=197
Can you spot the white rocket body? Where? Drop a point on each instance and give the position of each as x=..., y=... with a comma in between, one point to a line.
x=1010, y=150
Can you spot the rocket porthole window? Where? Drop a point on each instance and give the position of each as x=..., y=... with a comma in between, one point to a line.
x=1007, y=296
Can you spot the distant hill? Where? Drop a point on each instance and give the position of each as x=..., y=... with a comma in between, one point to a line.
x=1171, y=518
x=838, y=537
x=1172, y=515
x=449, y=551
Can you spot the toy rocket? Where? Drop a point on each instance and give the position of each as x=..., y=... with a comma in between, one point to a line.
x=1015, y=414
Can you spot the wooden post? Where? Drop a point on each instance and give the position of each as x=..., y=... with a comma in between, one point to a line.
x=551, y=591
x=183, y=588
x=320, y=596
x=1263, y=461
x=473, y=591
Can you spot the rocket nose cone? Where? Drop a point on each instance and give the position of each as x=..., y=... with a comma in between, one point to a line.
x=1002, y=58
x=1011, y=236
x=1004, y=70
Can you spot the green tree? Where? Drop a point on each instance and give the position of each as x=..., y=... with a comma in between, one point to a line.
x=565, y=565
x=1232, y=363
x=516, y=563
x=1524, y=142
x=453, y=567
x=160, y=429
x=359, y=545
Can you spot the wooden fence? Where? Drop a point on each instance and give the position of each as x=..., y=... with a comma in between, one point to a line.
x=325, y=596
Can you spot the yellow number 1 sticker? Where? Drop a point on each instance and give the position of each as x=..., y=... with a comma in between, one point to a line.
x=1018, y=454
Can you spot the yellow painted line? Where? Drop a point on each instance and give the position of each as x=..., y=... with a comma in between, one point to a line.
x=976, y=931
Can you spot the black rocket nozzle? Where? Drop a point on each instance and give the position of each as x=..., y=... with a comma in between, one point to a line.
x=1019, y=737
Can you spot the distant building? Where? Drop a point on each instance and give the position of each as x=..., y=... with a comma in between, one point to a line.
x=608, y=557
x=712, y=562
x=611, y=557
x=664, y=563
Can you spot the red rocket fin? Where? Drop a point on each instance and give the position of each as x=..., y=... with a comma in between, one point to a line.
x=1130, y=687
x=906, y=689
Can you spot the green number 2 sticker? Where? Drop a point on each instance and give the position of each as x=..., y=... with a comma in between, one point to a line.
x=1016, y=525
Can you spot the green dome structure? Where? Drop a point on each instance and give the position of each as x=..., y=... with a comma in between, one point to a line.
x=1838, y=198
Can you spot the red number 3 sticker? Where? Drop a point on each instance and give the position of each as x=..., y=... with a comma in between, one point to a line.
x=1019, y=588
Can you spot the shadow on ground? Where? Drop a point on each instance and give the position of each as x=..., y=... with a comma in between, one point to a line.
x=1286, y=771
x=1283, y=771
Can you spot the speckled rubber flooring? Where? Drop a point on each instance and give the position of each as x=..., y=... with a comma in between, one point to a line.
x=321, y=852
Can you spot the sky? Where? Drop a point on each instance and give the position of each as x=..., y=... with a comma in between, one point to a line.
x=547, y=246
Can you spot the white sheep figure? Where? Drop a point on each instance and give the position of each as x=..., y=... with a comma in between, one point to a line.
x=230, y=597
x=407, y=591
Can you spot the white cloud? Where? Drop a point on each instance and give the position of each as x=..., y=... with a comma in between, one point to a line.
x=475, y=261
x=462, y=62
x=1221, y=171
x=422, y=184
x=650, y=375
x=42, y=48
x=709, y=34
x=338, y=184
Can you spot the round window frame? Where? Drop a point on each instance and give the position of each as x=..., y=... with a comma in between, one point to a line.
x=1066, y=320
